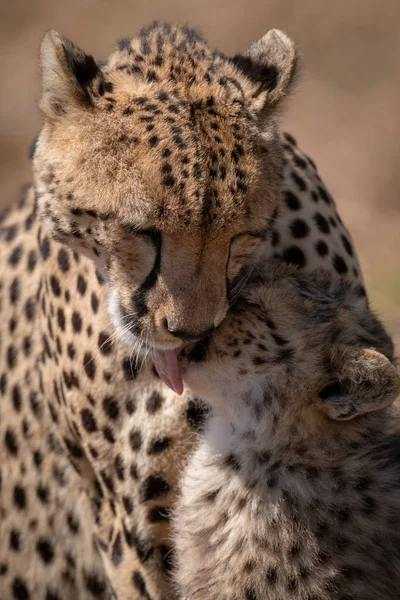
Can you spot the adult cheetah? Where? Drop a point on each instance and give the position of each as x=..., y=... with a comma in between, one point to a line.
x=161, y=180
x=293, y=491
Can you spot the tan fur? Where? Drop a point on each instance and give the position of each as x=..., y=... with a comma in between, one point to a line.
x=59, y=344
x=183, y=142
x=293, y=487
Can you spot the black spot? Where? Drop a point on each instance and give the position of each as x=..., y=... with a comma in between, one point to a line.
x=361, y=291
x=107, y=481
x=27, y=344
x=19, y=589
x=19, y=497
x=154, y=402
x=347, y=245
x=63, y=260
x=294, y=255
x=104, y=343
x=153, y=141
x=158, y=445
x=290, y=138
x=135, y=439
x=111, y=407
x=129, y=369
x=275, y=237
x=279, y=339
x=153, y=487
x=61, y=319
x=299, y=162
x=76, y=322
x=95, y=584
x=11, y=356
x=291, y=584
x=322, y=248
x=14, y=291
x=3, y=384
x=211, y=496
x=108, y=434
x=15, y=540
x=232, y=461
x=324, y=195
x=292, y=200
x=16, y=398
x=81, y=285
x=119, y=467
x=45, y=550
x=88, y=420
x=169, y=181
x=322, y=223
x=250, y=594
x=299, y=181
x=89, y=365
x=73, y=449
x=272, y=576
x=15, y=256
x=130, y=405
x=37, y=458
x=55, y=285
x=339, y=265
x=94, y=302
x=196, y=414
x=32, y=260
x=45, y=248
x=299, y=228
x=139, y=584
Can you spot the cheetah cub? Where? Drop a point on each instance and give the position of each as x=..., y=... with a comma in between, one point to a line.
x=294, y=489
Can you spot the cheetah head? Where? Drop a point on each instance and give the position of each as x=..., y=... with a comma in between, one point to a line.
x=304, y=338
x=163, y=166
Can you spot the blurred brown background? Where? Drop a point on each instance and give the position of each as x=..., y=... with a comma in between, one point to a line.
x=345, y=111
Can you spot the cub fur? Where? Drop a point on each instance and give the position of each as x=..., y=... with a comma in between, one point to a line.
x=293, y=491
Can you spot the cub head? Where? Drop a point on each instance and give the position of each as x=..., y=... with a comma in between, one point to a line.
x=163, y=166
x=306, y=339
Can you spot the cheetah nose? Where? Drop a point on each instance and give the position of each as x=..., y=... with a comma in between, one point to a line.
x=187, y=336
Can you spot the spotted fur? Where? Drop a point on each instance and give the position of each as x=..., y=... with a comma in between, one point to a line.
x=293, y=491
x=73, y=398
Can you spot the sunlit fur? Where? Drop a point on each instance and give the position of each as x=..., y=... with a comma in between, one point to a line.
x=158, y=165
x=294, y=488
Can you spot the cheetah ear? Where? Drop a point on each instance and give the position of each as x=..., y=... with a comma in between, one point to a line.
x=67, y=74
x=364, y=381
x=271, y=64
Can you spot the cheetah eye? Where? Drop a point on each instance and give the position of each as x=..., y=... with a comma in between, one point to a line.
x=152, y=233
x=241, y=248
x=257, y=235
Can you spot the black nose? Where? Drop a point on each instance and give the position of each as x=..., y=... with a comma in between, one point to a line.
x=187, y=336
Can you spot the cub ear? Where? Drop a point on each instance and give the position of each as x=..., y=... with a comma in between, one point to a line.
x=67, y=74
x=363, y=381
x=271, y=64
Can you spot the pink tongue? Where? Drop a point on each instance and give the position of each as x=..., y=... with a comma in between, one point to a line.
x=167, y=367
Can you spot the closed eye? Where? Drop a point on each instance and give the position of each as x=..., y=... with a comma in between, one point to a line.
x=152, y=232
x=241, y=249
x=256, y=234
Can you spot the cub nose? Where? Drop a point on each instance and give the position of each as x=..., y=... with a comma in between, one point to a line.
x=188, y=336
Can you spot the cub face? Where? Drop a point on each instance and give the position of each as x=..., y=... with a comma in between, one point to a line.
x=304, y=339
x=163, y=166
